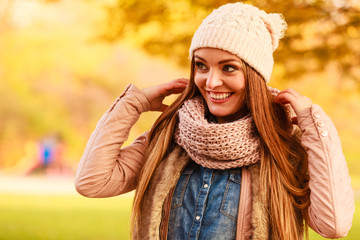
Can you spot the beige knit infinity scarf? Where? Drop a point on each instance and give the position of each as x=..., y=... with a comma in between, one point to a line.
x=213, y=145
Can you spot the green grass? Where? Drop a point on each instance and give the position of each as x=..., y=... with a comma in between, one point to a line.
x=63, y=217
x=41, y=217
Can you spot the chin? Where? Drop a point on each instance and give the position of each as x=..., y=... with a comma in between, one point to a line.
x=219, y=113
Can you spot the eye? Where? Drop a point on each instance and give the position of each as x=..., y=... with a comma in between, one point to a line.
x=229, y=68
x=201, y=66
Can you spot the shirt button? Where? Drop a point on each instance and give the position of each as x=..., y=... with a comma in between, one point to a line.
x=206, y=186
x=324, y=133
x=320, y=124
x=197, y=218
x=316, y=115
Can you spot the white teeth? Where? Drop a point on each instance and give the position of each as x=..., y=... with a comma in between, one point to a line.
x=219, y=96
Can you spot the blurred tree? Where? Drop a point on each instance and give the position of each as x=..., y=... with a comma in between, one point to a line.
x=5, y=14
x=54, y=78
x=319, y=32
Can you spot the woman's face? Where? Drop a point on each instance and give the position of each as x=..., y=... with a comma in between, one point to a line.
x=220, y=79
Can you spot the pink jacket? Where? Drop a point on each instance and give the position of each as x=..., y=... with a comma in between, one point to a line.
x=106, y=169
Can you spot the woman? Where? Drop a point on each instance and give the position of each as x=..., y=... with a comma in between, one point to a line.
x=226, y=160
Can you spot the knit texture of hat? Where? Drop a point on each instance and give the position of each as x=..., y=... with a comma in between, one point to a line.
x=245, y=31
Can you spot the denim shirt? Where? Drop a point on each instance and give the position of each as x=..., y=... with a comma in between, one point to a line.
x=205, y=204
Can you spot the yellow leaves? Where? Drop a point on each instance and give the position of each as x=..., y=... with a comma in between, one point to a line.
x=58, y=76
x=56, y=73
x=45, y=65
x=352, y=32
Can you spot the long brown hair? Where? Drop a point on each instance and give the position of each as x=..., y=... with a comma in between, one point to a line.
x=284, y=162
x=283, y=168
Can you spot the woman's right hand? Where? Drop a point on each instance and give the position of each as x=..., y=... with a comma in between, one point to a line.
x=156, y=94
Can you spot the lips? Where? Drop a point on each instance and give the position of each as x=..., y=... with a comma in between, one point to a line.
x=219, y=97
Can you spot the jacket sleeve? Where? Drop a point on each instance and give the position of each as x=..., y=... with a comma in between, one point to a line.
x=332, y=198
x=105, y=168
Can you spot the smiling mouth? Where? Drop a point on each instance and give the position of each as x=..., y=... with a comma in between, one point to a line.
x=219, y=96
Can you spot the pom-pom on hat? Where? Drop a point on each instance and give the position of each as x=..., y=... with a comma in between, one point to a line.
x=243, y=30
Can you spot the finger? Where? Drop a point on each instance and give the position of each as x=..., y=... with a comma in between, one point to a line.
x=177, y=90
x=173, y=91
x=163, y=107
x=284, y=97
x=182, y=80
x=175, y=87
x=287, y=96
x=179, y=83
x=294, y=120
x=291, y=92
x=297, y=101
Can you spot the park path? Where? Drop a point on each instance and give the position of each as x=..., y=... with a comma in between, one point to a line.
x=47, y=185
x=42, y=185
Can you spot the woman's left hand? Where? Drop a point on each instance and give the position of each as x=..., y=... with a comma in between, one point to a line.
x=297, y=101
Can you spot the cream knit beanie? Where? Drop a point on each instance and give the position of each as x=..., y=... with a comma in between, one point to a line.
x=243, y=30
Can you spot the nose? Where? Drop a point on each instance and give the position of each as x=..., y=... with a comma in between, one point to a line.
x=213, y=80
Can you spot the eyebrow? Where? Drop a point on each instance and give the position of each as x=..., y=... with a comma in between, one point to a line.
x=221, y=62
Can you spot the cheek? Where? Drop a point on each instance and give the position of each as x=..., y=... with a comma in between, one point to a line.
x=237, y=85
x=198, y=82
